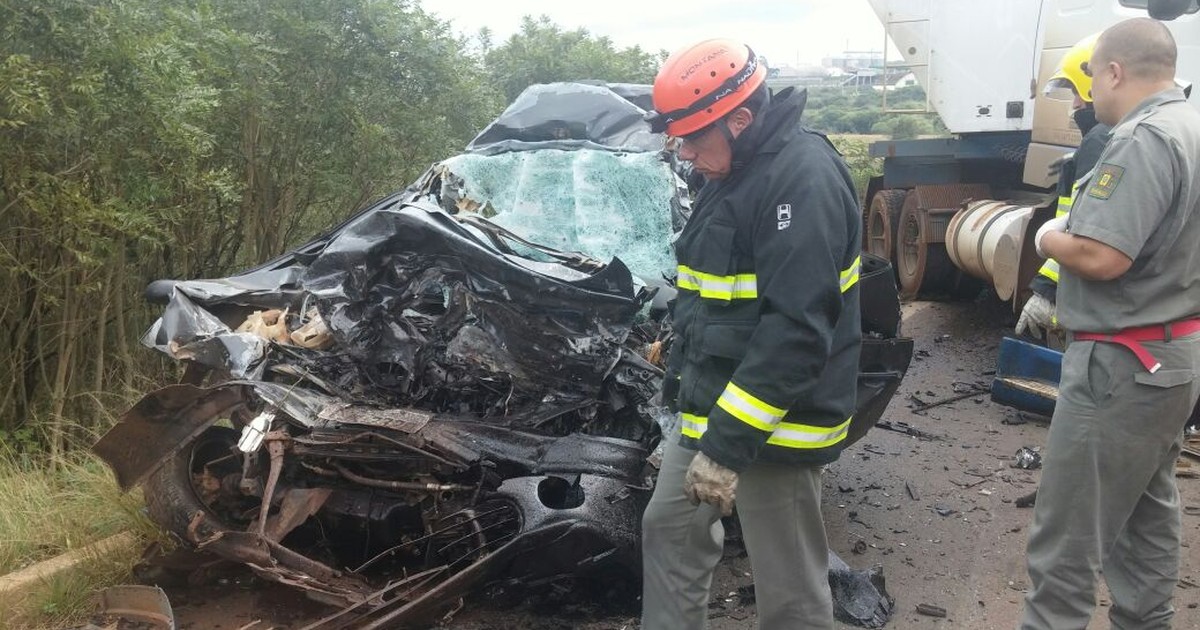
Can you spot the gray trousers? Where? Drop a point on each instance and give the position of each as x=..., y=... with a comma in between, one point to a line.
x=1107, y=498
x=780, y=512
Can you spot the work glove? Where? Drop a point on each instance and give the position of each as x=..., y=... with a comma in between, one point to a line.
x=1037, y=317
x=1054, y=169
x=1057, y=224
x=711, y=483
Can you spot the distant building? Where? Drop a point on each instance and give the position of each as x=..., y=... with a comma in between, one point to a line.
x=804, y=72
x=908, y=79
x=892, y=79
x=805, y=75
x=854, y=60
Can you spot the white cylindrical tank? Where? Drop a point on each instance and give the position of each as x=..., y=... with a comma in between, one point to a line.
x=984, y=238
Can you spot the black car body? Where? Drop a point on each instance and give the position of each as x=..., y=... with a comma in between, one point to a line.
x=477, y=409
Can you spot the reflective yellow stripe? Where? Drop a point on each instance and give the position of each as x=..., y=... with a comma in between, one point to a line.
x=849, y=277
x=749, y=409
x=743, y=286
x=786, y=434
x=1049, y=269
x=686, y=282
x=793, y=435
x=693, y=426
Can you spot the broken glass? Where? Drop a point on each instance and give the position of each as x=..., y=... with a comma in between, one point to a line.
x=602, y=203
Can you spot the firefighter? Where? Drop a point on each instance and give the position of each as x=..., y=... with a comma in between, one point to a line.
x=1069, y=83
x=764, y=366
x=1129, y=298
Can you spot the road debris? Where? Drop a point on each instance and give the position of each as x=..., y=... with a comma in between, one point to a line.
x=924, y=406
x=1027, y=376
x=929, y=610
x=860, y=597
x=1191, y=445
x=982, y=479
x=1027, y=459
x=963, y=387
x=1014, y=419
x=1186, y=470
x=132, y=606
x=907, y=429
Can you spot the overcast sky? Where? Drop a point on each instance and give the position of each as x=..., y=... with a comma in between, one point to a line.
x=785, y=31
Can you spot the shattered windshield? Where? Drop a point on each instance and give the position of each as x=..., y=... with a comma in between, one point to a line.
x=602, y=203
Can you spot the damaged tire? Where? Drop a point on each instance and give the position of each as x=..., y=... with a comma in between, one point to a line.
x=180, y=495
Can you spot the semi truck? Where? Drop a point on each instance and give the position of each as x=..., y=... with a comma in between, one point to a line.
x=959, y=212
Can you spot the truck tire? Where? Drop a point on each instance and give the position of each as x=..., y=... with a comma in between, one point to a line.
x=883, y=220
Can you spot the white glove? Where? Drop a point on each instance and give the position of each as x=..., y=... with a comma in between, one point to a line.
x=1055, y=168
x=710, y=482
x=1057, y=224
x=1037, y=317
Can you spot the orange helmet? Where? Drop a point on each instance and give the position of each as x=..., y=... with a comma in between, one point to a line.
x=701, y=83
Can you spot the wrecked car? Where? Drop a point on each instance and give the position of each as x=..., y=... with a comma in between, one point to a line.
x=452, y=390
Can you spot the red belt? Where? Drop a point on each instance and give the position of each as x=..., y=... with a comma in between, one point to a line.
x=1132, y=337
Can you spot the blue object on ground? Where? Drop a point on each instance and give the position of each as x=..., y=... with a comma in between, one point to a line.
x=1027, y=376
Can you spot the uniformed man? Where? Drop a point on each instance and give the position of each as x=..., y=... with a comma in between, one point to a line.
x=1129, y=296
x=764, y=366
x=1069, y=83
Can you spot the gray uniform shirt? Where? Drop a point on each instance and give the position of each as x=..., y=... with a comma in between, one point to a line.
x=1143, y=199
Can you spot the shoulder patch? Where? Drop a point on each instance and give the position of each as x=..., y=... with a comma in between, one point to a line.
x=1105, y=180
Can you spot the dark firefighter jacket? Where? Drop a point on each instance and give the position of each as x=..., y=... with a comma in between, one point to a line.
x=1073, y=172
x=765, y=362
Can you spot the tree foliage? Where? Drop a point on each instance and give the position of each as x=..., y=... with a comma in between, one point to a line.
x=183, y=138
x=541, y=52
x=848, y=110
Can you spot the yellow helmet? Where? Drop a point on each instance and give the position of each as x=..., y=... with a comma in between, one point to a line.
x=1070, y=79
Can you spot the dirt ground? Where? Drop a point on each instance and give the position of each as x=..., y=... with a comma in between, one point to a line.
x=938, y=515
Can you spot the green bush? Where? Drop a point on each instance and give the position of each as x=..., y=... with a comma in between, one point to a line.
x=846, y=110
x=862, y=166
x=903, y=127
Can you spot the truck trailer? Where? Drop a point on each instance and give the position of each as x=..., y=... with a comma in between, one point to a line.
x=957, y=213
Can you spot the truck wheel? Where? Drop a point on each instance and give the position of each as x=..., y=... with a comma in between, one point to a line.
x=883, y=220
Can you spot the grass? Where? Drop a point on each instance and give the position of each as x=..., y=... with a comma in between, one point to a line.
x=47, y=510
x=69, y=598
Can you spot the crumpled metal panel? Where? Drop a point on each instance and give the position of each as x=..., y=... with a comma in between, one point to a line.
x=470, y=317
x=158, y=426
x=569, y=116
x=403, y=420
x=132, y=603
